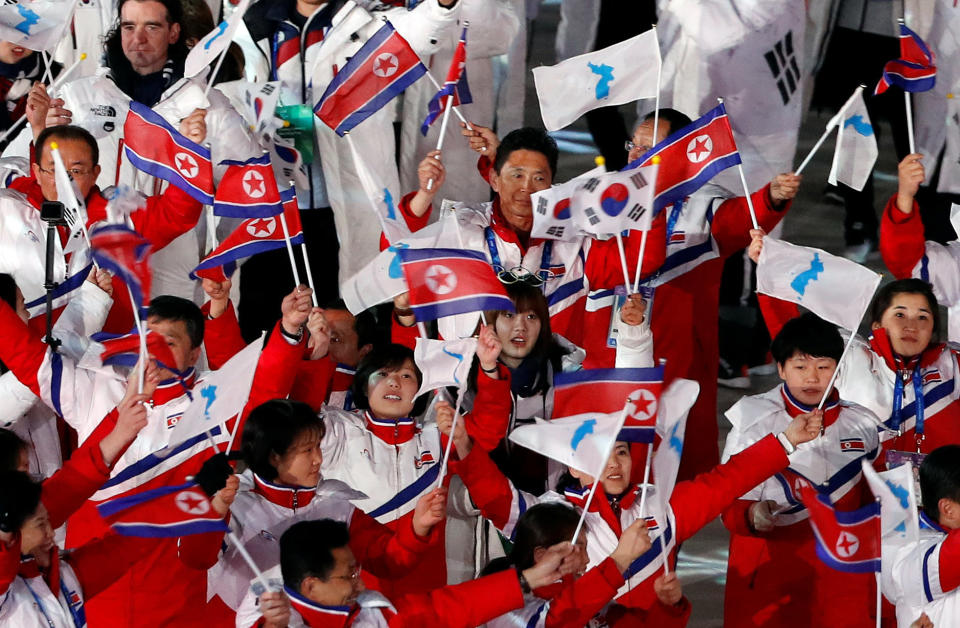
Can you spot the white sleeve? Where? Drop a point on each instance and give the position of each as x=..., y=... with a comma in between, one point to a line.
x=15, y=400
x=940, y=265
x=635, y=345
x=426, y=25
x=494, y=25
x=83, y=315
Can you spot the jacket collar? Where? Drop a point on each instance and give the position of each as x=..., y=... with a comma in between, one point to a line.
x=391, y=431
x=831, y=409
x=30, y=569
x=880, y=343
x=170, y=389
x=578, y=497
x=320, y=616
x=500, y=226
x=291, y=497
x=96, y=204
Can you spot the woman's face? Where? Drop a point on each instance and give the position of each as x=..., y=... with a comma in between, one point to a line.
x=300, y=464
x=36, y=536
x=518, y=333
x=908, y=322
x=392, y=391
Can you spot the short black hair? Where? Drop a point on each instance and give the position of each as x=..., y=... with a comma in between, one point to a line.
x=677, y=119
x=543, y=525
x=306, y=550
x=527, y=138
x=167, y=307
x=939, y=478
x=388, y=356
x=887, y=292
x=364, y=323
x=807, y=334
x=271, y=428
x=11, y=446
x=63, y=133
x=18, y=501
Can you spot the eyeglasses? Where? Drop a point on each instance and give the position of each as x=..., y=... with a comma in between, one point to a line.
x=352, y=577
x=73, y=172
x=519, y=274
x=629, y=146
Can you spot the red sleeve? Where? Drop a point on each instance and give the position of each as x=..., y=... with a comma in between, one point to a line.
x=200, y=551
x=406, y=336
x=902, y=243
x=735, y=517
x=9, y=563
x=732, y=224
x=388, y=554
x=698, y=501
x=603, y=268
x=485, y=167
x=312, y=382
x=487, y=422
x=221, y=336
x=578, y=603
x=950, y=562
x=103, y=561
x=464, y=605
x=776, y=312
x=166, y=216
x=20, y=350
x=489, y=489
x=414, y=223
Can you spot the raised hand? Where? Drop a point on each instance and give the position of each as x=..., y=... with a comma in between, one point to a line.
x=223, y=498
x=430, y=510
x=910, y=174
x=430, y=169
x=549, y=568
x=102, y=279
x=762, y=515
x=756, y=244
x=668, y=590
x=634, y=541
x=319, y=342
x=488, y=350
x=296, y=308
x=194, y=126
x=219, y=293
x=482, y=139
x=275, y=608
x=461, y=440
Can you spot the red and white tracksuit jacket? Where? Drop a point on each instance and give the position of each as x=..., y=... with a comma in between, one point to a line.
x=696, y=502
x=83, y=397
x=264, y=510
x=924, y=576
x=710, y=227
x=775, y=578
x=456, y=606
x=573, y=268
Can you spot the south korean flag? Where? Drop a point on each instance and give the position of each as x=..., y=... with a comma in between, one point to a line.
x=617, y=201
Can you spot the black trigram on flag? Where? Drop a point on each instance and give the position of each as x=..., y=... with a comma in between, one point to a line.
x=783, y=64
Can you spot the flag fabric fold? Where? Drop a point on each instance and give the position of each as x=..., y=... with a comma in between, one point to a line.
x=614, y=202
x=675, y=403
x=124, y=349
x=126, y=254
x=248, y=189
x=444, y=362
x=914, y=71
x=898, y=502
x=168, y=511
x=36, y=25
x=455, y=86
x=552, y=217
x=846, y=540
x=856, y=151
x=205, y=51
x=582, y=442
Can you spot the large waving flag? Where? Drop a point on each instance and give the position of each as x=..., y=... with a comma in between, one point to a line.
x=614, y=202
x=691, y=156
x=154, y=146
x=914, y=70
x=126, y=254
x=445, y=282
x=832, y=287
x=214, y=43
x=252, y=236
x=898, y=503
x=37, y=24
x=168, y=511
x=608, y=390
x=846, y=541
x=248, y=189
x=618, y=74
x=379, y=72
x=582, y=442
x=455, y=86
x=444, y=362
x=856, y=150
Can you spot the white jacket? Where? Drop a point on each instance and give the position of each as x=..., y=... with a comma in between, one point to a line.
x=911, y=580
x=29, y=603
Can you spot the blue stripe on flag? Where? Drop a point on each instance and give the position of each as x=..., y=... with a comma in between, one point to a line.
x=56, y=380
x=408, y=493
x=165, y=172
x=462, y=306
x=247, y=210
x=638, y=375
x=691, y=185
x=120, y=504
x=180, y=528
x=416, y=255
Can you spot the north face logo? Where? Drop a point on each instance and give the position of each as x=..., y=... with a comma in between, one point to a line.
x=783, y=64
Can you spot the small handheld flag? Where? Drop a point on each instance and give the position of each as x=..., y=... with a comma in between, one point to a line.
x=914, y=70
x=168, y=511
x=444, y=362
x=455, y=86
x=126, y=254
x=846, y=541
x=248, y=189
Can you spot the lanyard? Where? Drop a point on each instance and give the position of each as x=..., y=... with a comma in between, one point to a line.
x=673, y=217
x=918, y=402
x=495, y=254
x=36, y=599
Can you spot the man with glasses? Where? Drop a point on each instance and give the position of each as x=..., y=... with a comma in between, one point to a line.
x=22, y=232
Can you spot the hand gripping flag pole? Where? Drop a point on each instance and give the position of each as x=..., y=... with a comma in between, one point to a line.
x=597, y=477
x=53, y=86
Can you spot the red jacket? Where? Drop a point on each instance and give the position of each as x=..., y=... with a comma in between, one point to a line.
x=902, y=243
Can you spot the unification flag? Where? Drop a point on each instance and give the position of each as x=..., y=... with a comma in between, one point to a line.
x=552, y=217
x=126, y=254
x=168, y=511
x=856, y=150
x=583, y=441
x=381, y=200
x=675, y=404
x=614, y=202
x=445, y=282
x=914, y=70
x=36, y=24
x=444, y=362
x=154, y=146
x=252, y=236
x=898, y=502
x=455, y=88
x=691, y=156
x=205, y=51
x=379, y=72
x=248, y=189
x=618, y=74
x=847, y=541
x=832, y=287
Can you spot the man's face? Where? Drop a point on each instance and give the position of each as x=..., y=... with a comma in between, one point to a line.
x=12, y=53
x=175, y=333
x=341, y=587
x=146, y=35
x=78, y=159
x=643, y=137
x=343, y=338
x=522, y=174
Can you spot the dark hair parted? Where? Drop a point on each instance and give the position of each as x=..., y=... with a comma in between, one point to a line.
x=19, y=500
x=940, y=478
x=63, y=133
x=306, y=550
x=807, y=334
x=543, y=525
x=170, y=308
x=527, y=138
x=388, y=356
x=272, y=428
x=886, y=293
x=527, y=297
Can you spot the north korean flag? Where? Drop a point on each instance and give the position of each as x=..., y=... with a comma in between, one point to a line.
x=455, y=86
x=252, y=236
x=248, y=189
x=914, y=71
x=126, y=254
x=852, y=444
x=124, y=349
x=379, y=72
x=154, y=146
x=608, y=391
x=445, y=282
x=691, y=156
x=168, y=511
x=846, y=541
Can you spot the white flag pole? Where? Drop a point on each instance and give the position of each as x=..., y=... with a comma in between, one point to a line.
x=643, y=248
x=816, y=147
x=143, y=341
x=876, y=574
x=237, y=543
x=909, y=105
x=598, y=476
x=47, y=70
x=623, y=262
x=836, y=121
x=646, y=478
x=443, y=131
x=286, y=239
x=456, y=110
x=846, y=348
x=446, y=453
x=656, y=160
